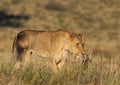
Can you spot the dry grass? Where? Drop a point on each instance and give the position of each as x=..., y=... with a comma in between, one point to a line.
x=98, y=20
x=104, y=71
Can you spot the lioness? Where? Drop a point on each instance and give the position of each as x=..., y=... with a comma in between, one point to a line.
x=54, y=45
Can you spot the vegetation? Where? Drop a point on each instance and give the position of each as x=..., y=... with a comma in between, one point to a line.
x=98, y=20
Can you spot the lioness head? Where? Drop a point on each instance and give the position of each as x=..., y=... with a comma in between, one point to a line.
x=75, y=45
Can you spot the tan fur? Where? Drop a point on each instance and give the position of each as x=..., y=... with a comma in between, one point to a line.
x=54, y=45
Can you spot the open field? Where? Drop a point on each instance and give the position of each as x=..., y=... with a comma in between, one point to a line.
x=98, y=20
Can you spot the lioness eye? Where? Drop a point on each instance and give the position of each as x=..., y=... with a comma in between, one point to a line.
x=77, y=44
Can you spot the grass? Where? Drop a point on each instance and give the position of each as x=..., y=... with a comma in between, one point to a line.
x=105, y=71
x=98, y=20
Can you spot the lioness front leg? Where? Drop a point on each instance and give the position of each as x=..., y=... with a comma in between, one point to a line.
x=62, y=59
x=54, y=66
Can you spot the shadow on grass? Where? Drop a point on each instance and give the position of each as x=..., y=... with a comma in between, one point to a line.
x=11, y=20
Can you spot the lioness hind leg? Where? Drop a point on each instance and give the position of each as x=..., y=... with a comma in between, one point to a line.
x=27, y=55
x=22, y=60
x=16, y=66
x=19, y=58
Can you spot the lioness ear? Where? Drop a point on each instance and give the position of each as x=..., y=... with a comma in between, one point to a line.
x=80, y=36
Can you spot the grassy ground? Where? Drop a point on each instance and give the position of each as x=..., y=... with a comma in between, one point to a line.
x=98, y=20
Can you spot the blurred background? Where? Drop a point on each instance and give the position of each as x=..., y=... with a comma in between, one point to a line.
x=98, y=20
